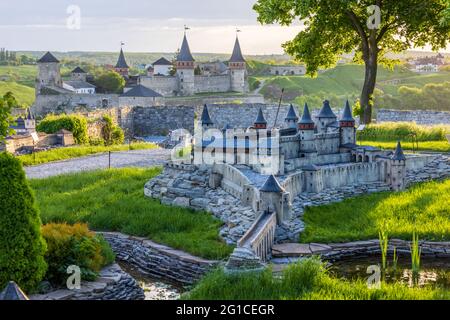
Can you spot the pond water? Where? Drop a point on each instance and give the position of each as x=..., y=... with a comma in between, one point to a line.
x=153, y=289
x=433, y=272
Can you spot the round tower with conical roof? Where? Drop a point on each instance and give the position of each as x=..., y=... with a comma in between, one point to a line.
x=291, y=118
x=325, y=117
x=260, y=122
x=238, y=70
x=306, y=128
x=122, y=67
x=185, y=69
x=205, y=120
x=49, y=74
x=347, y=126
x=397, y=169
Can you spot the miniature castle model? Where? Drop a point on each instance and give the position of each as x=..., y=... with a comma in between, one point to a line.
x=318, y=160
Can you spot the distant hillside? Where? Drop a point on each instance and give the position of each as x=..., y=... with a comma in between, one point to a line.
x=24, y=94
x=344, y=82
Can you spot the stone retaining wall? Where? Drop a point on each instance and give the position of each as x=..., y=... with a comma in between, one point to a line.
x=113, y=284
x=424, y=117
x=157, y=260
x=289, y=252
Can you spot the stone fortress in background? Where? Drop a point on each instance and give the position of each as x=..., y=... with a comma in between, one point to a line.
x=54, y=95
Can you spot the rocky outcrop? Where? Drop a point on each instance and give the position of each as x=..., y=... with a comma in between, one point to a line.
x=158, y=261
x=187, y=186
x=112, y=284
x=243, y=260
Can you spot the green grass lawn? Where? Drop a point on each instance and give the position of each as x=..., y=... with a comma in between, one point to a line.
x=424, y=208
x=24, y=94
x=306, y=280
x=113, y=200
x=78, y=151
x=435, y=146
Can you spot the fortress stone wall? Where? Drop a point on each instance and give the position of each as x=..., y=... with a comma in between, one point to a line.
x=423, y=117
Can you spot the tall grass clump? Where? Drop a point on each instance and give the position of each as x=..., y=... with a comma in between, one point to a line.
x=416, y=252
x=307, y=279
x=393, y=131
x=384, y=242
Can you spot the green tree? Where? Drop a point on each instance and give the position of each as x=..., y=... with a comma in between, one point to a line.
x=335, y=27
x=110, y=81
x=22, y=247
x=7, y=102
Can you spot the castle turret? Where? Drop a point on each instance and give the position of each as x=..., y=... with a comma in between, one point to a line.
x=325, y=118
x=185, y=69
x=121, y=66
x=291, y=118
x=306, y=128
x=347, y=126
x=397, y=170
x=30, y=122
x=49, y=74
x=78, y=74
x=273, y=199
x=205, y=120
x=237, y=66
x=260, y=122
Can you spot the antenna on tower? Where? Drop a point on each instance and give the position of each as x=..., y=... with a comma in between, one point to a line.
x=186, y=28
x=122, y=44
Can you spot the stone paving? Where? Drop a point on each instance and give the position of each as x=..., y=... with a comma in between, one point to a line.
x=134, y=158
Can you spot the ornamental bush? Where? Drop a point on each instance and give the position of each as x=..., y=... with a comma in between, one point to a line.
x=111, y=133
x=22, y=247
x=73, y=123
x=74, y=245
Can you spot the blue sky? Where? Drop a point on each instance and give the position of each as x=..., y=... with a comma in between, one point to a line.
x=144, y=26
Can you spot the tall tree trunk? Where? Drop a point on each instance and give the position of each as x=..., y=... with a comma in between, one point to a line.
x=370, y=80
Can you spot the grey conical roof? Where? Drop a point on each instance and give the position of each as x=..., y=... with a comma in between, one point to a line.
x=398, y=154
x=306, y=116
x=29, y=116
x=121, y=62
x=78, y=70
x=141, y=91
x=12, y=292
x=326, y=111
x=271, y=185
x=291, y=115
x=48, y=58
x=206, y=119
x=237, y=53
x=260, y=118
x=347, y=115
x=185, y=52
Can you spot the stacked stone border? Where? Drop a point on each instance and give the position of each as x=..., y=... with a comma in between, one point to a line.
x=159, y=261
x=289, y=252
x=112, y=284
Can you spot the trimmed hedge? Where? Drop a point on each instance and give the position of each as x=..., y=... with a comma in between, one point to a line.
x=73, y=123
x=22, y=247
x=74, y=245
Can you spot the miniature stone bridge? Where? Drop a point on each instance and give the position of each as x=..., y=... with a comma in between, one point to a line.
x=261, y=235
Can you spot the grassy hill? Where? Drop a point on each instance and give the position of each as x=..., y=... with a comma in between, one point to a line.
x=24, y=94
x=342, y=82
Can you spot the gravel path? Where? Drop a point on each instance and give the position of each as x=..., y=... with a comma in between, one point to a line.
x=135, y=158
